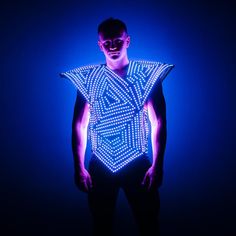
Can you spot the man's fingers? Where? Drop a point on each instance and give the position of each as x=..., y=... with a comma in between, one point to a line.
x=86, y=186
x=150, y=184
x=82, y=185
x=89, y=182
x=145, y=179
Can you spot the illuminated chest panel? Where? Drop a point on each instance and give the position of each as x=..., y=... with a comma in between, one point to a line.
x=118, y=120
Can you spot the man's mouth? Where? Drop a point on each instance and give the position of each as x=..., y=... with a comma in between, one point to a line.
x=113, y=53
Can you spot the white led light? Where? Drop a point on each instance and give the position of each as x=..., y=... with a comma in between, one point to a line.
x=118, y=120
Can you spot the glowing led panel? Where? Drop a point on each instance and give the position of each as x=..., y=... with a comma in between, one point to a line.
x=118, y=120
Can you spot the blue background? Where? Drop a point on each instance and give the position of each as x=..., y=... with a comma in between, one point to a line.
x=39, y=39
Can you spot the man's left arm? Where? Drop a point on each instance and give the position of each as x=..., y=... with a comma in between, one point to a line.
x=157, y=115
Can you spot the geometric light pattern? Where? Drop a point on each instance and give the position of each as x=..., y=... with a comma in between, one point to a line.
x=118, y=122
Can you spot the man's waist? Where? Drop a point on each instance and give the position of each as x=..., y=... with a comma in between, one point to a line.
x=126, y=162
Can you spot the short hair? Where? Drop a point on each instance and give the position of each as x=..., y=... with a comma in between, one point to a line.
x=111, y=25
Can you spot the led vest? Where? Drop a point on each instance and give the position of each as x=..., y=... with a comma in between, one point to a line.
x=118, y=120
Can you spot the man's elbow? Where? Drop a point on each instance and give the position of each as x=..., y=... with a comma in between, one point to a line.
x=79, y=135
x=158, y=123
x=79, y=126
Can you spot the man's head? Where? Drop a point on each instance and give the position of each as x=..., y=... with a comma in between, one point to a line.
x=113, y=39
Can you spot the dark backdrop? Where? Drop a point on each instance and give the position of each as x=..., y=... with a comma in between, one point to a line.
x=39, y=39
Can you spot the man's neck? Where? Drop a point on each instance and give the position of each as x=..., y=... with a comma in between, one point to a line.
x=118, y=65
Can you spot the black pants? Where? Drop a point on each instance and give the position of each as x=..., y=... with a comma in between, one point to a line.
x=102, y=200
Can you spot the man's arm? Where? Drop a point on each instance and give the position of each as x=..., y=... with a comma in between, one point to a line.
x=79, y=142
x=157, y=115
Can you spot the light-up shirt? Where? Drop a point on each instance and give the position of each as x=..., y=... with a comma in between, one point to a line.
x=118, y=120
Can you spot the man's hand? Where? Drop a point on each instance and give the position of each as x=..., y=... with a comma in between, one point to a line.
x=152, y=179
x=83, y=180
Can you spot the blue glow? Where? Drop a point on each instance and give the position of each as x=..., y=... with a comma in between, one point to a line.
x=42, y=38
x=118, y=121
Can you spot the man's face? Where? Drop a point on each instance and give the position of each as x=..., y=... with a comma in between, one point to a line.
x=114, y=46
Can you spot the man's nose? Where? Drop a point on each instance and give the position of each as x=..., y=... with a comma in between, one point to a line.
x=113, y=46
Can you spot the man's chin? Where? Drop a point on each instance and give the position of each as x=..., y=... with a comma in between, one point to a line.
x=115, y=56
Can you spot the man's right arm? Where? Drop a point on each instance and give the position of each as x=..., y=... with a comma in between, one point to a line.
x=79, y=142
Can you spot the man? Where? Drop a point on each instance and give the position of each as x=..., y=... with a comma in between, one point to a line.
x=116, y=100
